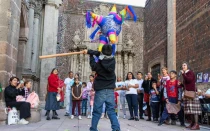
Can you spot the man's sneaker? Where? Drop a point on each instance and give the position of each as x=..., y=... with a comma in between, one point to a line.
x=102, y=116
x=160, y=123
x=72, y=116
x=67, y=114
x=90, y=117
x=23, y=122
x=124, y=116
x=80, y=118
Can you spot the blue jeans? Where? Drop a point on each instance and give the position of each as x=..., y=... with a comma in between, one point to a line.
x=132, y=104
x=70, y=104
x=84, y=106
x=107, y=96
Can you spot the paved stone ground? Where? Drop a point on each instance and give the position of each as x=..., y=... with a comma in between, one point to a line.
x=66, y=124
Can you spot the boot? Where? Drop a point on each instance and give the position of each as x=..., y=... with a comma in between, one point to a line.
x=55, y=116
x=195, y=127
x=48, y=115
x=56, y=113
x=190, y=126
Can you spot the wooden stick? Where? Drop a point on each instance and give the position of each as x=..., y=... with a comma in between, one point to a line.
x=57, y=55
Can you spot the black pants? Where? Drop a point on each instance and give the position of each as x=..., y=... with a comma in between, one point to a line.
x=148, y=110
x=140, y=100
x=162, y=106
x=24, y=108
x=155, y=109
x=132, y=104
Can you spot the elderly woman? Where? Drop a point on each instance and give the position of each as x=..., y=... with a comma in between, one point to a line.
x=53, y=90
x=10, y=94
x=191, y=106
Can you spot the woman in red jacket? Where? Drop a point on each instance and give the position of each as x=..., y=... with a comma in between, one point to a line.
x=53, y=90
x=191, y=106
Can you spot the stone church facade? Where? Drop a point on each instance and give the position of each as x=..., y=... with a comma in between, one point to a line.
x=74, y=36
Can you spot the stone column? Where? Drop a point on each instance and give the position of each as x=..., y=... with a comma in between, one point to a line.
x=125, y=63
x=27, y=62
x=35, y=55
x=21, y=55
x=171, y=33
x=86, y=66
x=49, y=43
x=130, y=62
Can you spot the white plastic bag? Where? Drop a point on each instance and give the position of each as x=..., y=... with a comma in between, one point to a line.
x=58, y=97
x=13, y=116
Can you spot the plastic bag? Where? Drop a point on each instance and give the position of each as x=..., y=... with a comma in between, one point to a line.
x=173, y=108
x=58, y=97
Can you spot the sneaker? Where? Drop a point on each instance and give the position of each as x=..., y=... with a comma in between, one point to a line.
x=124, y=116
x=173, y=122
x=160, y=123
x=131, y=118
x=23, y=122
x=80, y=118
x=90, y=117
x=72, y=116
x=136, y=119
x=67, y=114
x=142, y=118
x=102, y=116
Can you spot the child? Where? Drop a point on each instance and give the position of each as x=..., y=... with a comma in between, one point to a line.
x=172, y=94
x=155, y=101
x=76, y=97
x=26, y=88
x=104, y=84
x=92, y=95
x=84, y=98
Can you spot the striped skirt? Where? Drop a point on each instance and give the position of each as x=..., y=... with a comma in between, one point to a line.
x=51, y=101
x=192, y=106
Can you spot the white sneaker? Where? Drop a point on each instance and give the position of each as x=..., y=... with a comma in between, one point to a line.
x=88, y=117
x=124, y=116
x=102, y=116
x=23, y=122
x=80, y=118
x=72, y=116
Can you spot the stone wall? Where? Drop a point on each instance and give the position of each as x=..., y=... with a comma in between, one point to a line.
x=155, y=26
x=193, y=35
x=9, y=35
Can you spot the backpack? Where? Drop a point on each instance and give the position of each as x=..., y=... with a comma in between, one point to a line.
x=33, y=99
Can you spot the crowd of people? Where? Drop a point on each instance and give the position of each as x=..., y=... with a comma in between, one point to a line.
x=103, y=96
x=139, y=92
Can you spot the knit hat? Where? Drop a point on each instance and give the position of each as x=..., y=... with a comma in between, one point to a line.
x=107, y=50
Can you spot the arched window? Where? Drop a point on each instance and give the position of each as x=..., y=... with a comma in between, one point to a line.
x=155, y=70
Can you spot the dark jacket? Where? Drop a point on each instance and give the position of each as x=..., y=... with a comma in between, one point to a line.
x=189, y=81
x=77, y=91
x=147, y=85
x=10, y=94
x=105, y=71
